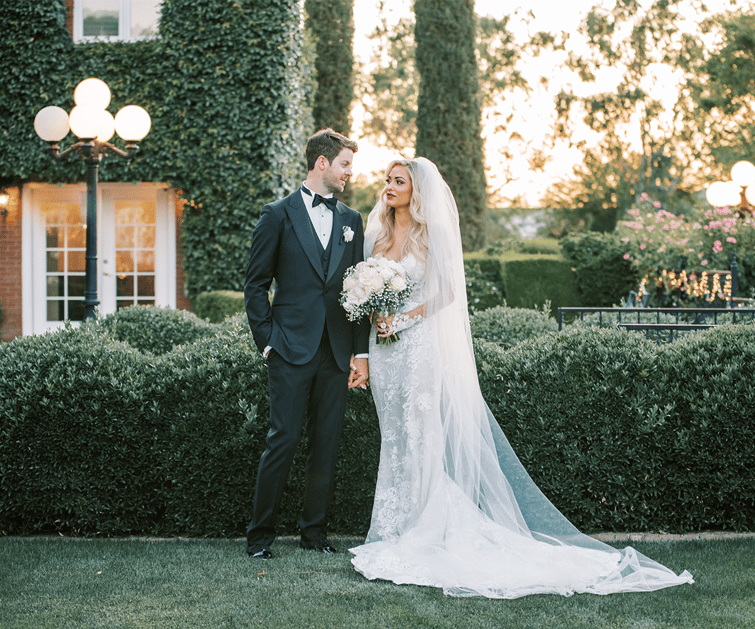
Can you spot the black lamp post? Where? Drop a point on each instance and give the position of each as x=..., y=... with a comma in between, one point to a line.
x=94, y=126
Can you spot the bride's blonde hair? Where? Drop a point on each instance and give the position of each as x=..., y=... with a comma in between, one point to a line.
x=416, y=240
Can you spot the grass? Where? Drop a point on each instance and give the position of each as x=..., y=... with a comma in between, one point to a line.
x=64, y=583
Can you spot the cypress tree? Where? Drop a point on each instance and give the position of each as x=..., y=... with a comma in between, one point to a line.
x=331, y=23
x=449, y=129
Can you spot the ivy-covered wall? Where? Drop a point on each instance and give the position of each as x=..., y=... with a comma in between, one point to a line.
x=227, y=89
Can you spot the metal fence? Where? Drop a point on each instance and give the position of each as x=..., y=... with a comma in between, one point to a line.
x=655, y=320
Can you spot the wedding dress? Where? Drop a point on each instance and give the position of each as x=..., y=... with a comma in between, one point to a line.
x=454, y=508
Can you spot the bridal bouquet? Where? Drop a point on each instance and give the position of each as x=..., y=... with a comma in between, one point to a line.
x=375, y=284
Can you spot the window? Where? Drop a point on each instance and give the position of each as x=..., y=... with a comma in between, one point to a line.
x=115, y=19
x=65, y=244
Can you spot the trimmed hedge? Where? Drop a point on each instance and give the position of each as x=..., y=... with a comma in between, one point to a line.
x=155, y=330
x=216, y=305
x=510, y=326
x=622, y=434
x=522, y=280
x=99, y=438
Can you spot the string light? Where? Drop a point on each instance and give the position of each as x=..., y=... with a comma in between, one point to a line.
x=707, y=287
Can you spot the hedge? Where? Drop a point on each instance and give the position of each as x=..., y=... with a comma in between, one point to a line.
x=510, y=326
x=99, y=438
x=602, y=275
x=522, y=280
x=216, y=305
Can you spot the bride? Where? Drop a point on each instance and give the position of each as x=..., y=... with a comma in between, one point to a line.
x=454, y=508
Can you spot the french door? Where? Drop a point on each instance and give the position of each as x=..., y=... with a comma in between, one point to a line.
x=136, y=261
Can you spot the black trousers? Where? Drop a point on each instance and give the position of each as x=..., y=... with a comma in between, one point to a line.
x=316, y=392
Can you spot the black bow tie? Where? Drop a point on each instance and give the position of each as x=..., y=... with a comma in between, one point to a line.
x=331, y=202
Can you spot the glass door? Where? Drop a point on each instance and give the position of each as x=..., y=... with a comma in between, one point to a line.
x=136, y=258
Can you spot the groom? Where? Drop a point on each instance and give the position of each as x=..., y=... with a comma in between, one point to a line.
x=305, y=243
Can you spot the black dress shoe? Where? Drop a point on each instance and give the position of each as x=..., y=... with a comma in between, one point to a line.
x=321, y=546
x=262, y=553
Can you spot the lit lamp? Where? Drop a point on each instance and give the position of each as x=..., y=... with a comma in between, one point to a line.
x=738, y=193
x=4, y=198
x=94, y=126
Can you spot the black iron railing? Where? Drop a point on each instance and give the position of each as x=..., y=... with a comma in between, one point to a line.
x=654, y=320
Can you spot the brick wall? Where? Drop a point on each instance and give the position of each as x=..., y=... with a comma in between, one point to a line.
x=182, y=301
x=10, y=268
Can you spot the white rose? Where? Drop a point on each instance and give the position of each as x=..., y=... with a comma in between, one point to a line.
x=359, y=294
x=349, y=283
x=375, y=283
x=398, y=283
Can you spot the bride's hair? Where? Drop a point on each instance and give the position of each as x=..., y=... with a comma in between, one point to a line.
x=416, y=240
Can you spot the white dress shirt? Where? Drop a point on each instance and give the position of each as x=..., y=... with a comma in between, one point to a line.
x=321, y=217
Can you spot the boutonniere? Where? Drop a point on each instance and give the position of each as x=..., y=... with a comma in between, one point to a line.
x=348, y=234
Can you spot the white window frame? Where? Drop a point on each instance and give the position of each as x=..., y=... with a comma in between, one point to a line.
x=124, y=23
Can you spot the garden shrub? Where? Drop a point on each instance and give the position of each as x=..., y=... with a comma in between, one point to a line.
x=99, y=438
x=622, y=434
x=216, y=305
x=603, y=276
x=549, y=246
x=510, y=326
x=532, y=280
x=520, y=279
x=655, y=239
x=484, y=282
x=212, y=395
x=153, y=329
x=78, y=436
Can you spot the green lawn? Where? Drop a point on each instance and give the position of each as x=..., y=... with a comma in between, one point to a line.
x=60, y=583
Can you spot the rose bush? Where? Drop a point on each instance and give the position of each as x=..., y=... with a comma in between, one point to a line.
x=657, y=240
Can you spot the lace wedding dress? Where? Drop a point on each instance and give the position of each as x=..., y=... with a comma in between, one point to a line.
x=454, y=508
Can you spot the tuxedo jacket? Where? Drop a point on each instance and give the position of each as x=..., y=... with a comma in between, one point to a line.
x=306, y=300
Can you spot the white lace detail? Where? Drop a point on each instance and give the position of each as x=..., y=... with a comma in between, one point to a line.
x=401, y=381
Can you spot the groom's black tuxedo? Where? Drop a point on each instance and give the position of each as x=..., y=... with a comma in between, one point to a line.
x=307, y=295
x=312, y=341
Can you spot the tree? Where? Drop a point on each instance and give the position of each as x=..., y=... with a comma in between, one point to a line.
x=641, y=132
x=449, y=107
x=331, y=24
x=722, y=92
x=388, y=92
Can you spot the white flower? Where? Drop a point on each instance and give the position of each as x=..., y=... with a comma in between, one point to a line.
x=359, y=294
x=349, y=283
x=398, y=283
x=348, y=233
x=386, y=272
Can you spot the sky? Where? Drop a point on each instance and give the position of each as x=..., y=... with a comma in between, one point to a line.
x=533, y=115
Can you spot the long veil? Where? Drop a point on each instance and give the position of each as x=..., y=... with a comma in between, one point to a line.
x=477, y=457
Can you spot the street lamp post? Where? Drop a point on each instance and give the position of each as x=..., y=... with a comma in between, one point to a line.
x=94, y=126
